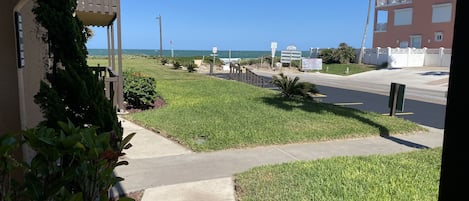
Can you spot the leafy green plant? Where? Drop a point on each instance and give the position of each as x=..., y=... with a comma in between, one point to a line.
x=139, y=90
x=73, y=163
x=191, y=67
x=71, y=91
x=176, y=65
x=9, y=188
x=164, y=61
x=291, y=88
x=327, y=56
x=344, y=54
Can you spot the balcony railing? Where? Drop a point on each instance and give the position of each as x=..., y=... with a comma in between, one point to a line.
x=97, y=6
x=110, y=81
x=380, y=3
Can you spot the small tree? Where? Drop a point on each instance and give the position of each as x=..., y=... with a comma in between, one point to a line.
x=344, y=54
x=72, y=92
x=327, y=56
x=291, y=88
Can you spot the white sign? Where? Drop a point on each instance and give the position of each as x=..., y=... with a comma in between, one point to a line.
x=286, y=56
x=291, y=48
x=273, y=45
x=214, y=50
x=311, y=64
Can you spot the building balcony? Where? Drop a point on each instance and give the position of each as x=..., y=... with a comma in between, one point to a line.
x=382, y=3
x=97, y=12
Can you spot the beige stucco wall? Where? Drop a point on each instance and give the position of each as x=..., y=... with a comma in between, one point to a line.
x=36, y=57
x=18, y=86
x=9, y=98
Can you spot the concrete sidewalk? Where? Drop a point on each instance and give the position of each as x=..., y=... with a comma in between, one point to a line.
x=170, y=172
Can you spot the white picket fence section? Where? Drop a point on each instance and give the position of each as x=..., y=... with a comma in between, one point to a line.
x=407, y=57
x=401, y=57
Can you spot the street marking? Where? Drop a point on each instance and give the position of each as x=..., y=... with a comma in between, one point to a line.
x=345, y=104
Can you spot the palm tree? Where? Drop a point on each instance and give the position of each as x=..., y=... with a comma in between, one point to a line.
x=362, y=49
x=291, y=88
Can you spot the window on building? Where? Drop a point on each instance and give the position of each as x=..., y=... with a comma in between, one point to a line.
x=382, y=21
x=404, y=44
x=403, y=16
x=416, y=41
x=438, y=36
x=441, y=13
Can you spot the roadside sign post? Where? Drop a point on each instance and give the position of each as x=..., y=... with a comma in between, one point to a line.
x=214, y=51
x=396, y=98
x=273, y=45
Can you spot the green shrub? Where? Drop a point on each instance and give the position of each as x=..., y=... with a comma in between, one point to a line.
x=292, y=88
x=176, y=64
x=327, y=56
x=139, y=90
x=9, y=187
x=71, y=163
x=344, y=54
x=164, y=61
x=191, y=67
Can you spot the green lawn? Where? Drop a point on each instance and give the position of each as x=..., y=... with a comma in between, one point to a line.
x=405, y=176
x=345, y=69
x=209, y=114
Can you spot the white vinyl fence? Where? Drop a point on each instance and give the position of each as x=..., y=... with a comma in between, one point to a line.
x=401, y=57
x=407, y=57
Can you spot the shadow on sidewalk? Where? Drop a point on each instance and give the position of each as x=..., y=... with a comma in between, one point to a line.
x=405, y=142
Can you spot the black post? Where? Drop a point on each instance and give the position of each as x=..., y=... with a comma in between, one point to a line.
x=393, y=99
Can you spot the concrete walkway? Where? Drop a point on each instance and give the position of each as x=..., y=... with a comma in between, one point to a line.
x=168, y=171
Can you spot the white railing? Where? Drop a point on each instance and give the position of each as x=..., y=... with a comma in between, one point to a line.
x=407, y=57
x=97, y=6
x=380, y=3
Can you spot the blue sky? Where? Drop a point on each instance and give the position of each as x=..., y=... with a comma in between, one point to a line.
x=240, y=24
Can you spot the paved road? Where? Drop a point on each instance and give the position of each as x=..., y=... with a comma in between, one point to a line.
x=421, y=112
x=429, y=84
x=425, y=93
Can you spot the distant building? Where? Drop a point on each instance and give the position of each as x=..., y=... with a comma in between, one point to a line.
x=414, y=23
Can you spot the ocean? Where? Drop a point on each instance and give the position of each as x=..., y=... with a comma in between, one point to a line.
x=190, y=53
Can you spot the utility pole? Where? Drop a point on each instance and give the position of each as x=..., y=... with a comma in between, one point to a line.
x=362, y=48
x=161, y=36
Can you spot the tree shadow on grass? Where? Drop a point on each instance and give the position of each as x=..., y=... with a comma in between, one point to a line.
x=319, y=107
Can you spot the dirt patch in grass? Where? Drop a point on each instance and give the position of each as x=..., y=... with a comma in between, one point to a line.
x=157, y=103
